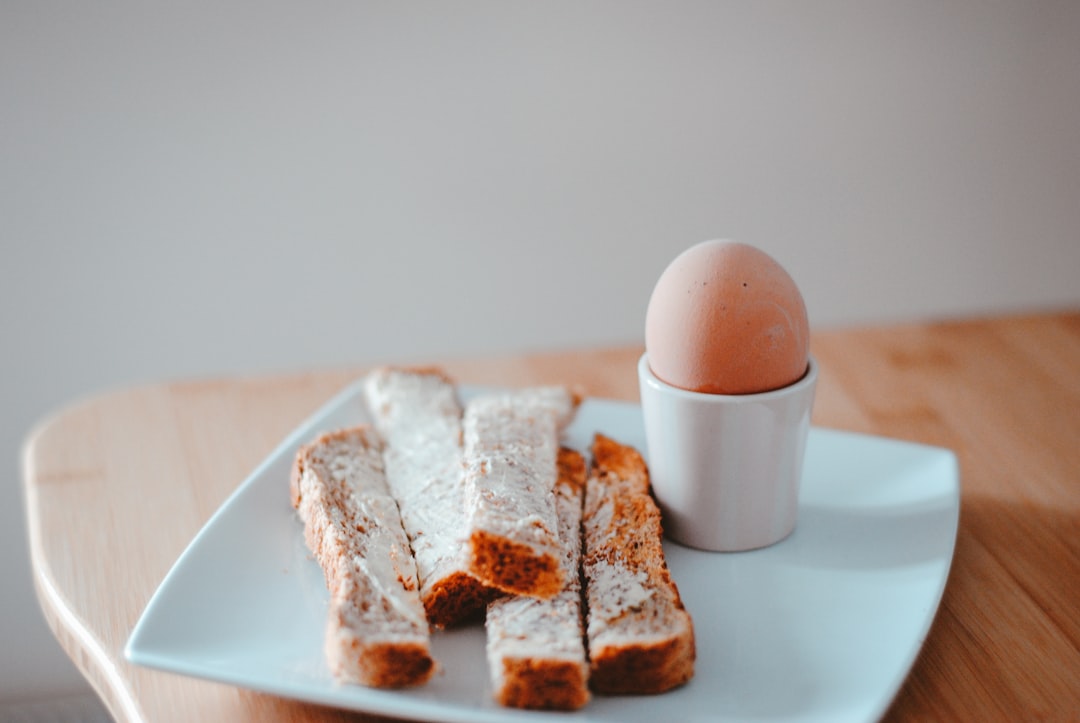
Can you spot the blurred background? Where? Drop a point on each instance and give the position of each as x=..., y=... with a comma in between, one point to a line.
x=206, y=189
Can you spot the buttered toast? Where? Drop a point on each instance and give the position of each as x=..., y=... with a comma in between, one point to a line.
x=511, y=445
x=436, y=511
x=376, y=631
x=640, y=636
x=535, y=646
x=419, y=417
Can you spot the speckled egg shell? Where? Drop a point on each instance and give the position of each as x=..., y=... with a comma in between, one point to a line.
x=726, y=318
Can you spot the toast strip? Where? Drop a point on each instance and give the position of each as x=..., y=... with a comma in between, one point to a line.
x=511, y=443
x=418, y=415
x=376, y=632
x=640, y=637
x=535, y=647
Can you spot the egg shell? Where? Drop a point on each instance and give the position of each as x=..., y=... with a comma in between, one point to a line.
x=726, y=318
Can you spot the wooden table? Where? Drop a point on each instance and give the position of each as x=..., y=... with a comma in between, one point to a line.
x=118, y=484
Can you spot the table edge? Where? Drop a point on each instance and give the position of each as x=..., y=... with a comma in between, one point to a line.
x=77, y=641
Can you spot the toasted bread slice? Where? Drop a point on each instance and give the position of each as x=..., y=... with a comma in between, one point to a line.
x=419, y=417
x=511, y=442
x=376, y=633
x=536, y=647
x=640, y=636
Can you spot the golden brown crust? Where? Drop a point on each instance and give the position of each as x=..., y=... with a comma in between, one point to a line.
x=396, y=665
x=457, y=599
x=644, y=669
x=543, y=684
x=649, y=646
x=621, y=460
x=295, y=474
x=571, y=466
x=513, y=567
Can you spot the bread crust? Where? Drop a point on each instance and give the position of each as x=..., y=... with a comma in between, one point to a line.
x=456, y=598
x=543, y=685
x=376, y=631
x=641, y=638
x=513, y=566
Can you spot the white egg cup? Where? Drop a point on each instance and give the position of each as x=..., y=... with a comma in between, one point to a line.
x=726, y=469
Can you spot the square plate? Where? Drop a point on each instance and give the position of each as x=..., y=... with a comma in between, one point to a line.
x=824, y=625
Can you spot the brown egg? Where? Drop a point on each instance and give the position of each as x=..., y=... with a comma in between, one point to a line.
x=726, y=318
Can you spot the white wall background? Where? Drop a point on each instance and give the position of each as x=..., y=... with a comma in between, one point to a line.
x=205, y=188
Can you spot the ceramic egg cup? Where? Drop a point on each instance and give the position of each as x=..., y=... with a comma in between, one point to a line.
x=726, y=469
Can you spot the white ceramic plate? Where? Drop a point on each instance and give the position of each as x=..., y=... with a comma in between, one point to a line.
x=822, y=626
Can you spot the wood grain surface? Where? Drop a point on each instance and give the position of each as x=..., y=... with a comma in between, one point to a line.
x=117, y=485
